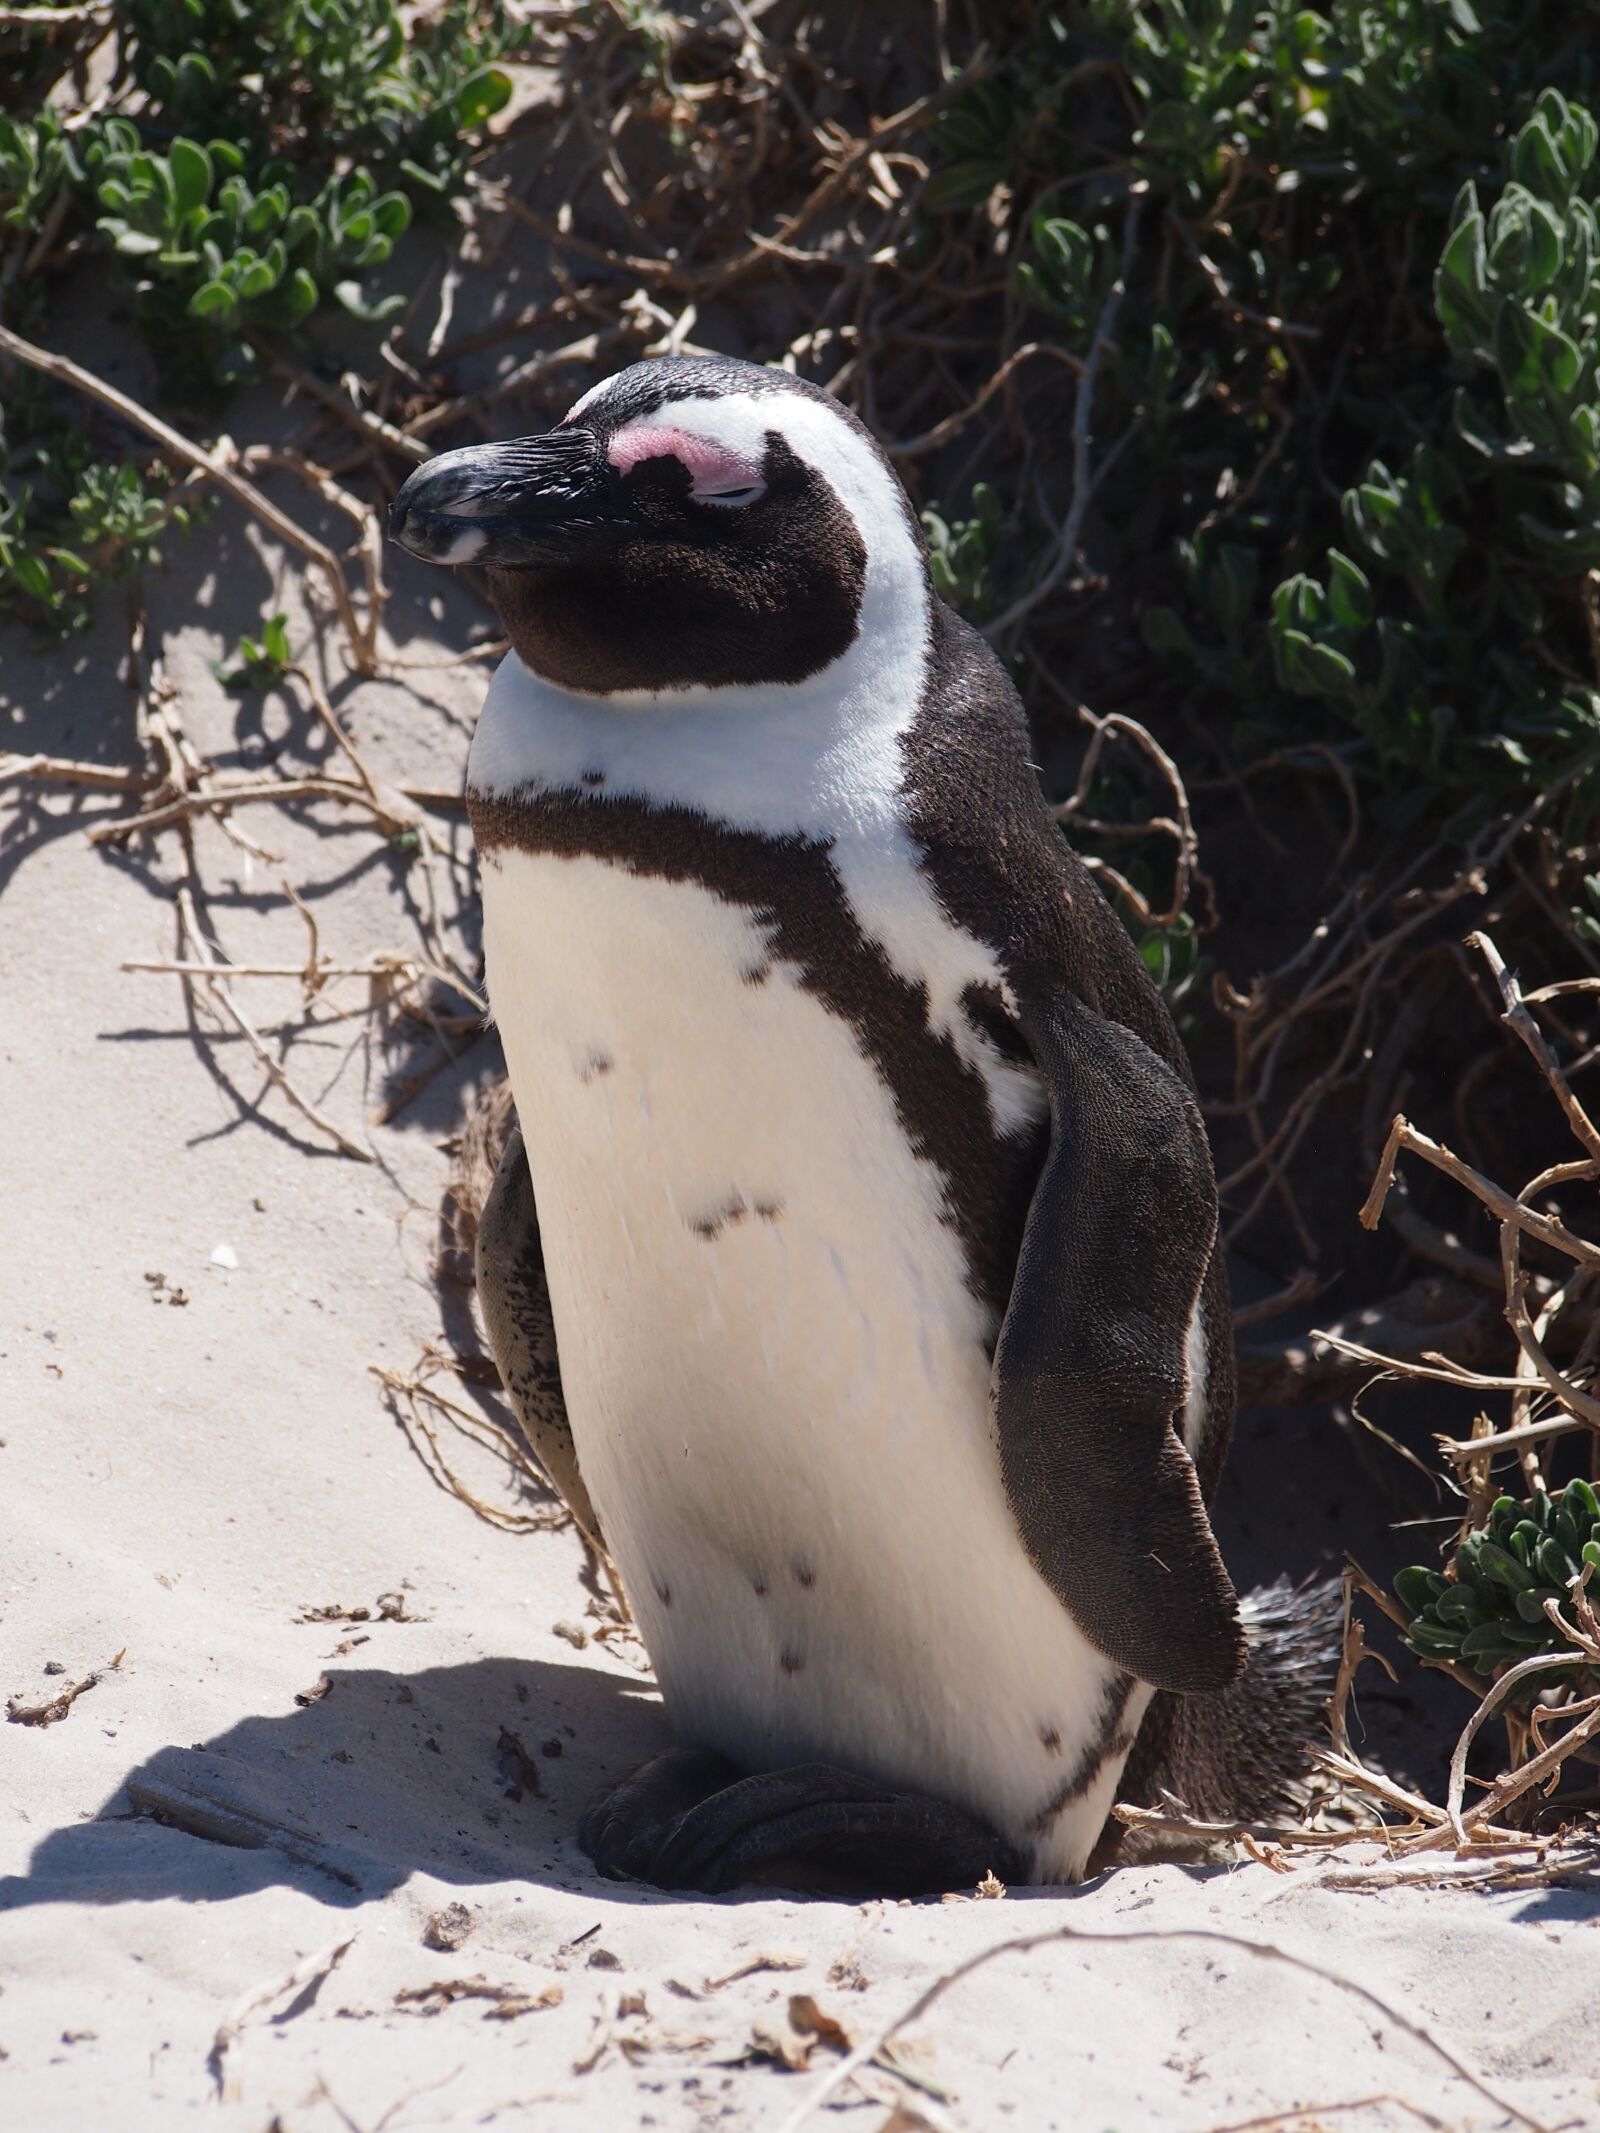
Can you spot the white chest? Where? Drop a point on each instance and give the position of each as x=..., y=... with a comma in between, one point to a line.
x=776, y=1375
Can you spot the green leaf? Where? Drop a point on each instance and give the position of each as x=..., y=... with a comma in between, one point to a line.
x=1559, y=359
x=263, y=214
x=1461, y=279
x=292, y=300
x=1516, y=353
x=962, y=184
x=1554, y=1564
x=1436, y=1640
x=191, y=174
x=1349, y=591
x=392, y=213
x=32, y=573
x=1328, y=668
x=1417, y=1588
x=1504, y=1568
x=213, y=299
x=1545, y=245
x=351, y=296
x=1300, y=601
x=1509, y=241
x=301, y=227
x=1066, y=251
x=480, y=96
x=1496, y=1643
x=430, y=183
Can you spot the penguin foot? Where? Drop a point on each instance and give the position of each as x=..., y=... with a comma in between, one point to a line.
x=687, y=1820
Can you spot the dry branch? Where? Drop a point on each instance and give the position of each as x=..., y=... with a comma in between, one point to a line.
x=1574, y=1409
x=1403, y=1136
x=50, y=1710
x=302, y=1977
x=412, y=1398
x=359, y=636
x=215, y=984
x=62, y=770
x=1514, y=1012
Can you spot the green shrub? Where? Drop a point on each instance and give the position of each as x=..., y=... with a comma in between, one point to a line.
x=960, y=551
x=352, y=77
x=1490, y=1612
x=257, y=169
x=1349, y=406
x=1471, y=563
x=210, y=245
x=70, y=520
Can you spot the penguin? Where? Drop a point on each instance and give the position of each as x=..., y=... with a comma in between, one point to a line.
x=855, y=1270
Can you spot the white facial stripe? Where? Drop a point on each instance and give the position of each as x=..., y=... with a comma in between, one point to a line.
x=740, y=423
x=588, y=399
x=820, y=758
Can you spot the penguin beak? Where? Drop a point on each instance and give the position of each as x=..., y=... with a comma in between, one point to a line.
x=518, y=506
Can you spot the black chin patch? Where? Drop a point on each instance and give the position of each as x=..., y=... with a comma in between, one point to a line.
x=706, y=595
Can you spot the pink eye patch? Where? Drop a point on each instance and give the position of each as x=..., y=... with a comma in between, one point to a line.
x=715, y=469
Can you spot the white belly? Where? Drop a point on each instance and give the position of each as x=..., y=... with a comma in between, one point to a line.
x=775, y=1372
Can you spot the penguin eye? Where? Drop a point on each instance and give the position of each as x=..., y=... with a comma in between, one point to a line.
x=745, y=493
x=719, y=473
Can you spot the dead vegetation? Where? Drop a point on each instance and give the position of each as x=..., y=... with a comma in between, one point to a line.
x=51, y=1709
x=1548, y=1410
x=1549, y=1416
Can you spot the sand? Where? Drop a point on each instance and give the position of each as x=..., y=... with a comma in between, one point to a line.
x=219, y=1875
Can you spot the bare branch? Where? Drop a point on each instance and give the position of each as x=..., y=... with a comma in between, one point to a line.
x=66, y=372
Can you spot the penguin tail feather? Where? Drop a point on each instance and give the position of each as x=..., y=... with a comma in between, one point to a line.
x=1246, y=1751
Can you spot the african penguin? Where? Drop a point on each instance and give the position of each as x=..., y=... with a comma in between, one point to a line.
x=855, y=1272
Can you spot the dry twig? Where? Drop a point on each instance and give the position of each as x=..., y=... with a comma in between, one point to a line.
x=1266, y=1951
x=216, y=989
x=359, y=636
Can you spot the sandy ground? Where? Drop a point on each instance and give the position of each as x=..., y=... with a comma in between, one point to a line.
x=180, y=1482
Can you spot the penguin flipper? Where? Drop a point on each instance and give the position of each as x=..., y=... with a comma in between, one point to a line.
x=1090, y=1372
x=515, y=1295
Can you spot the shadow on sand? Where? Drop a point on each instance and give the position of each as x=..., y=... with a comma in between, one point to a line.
x=471, y=1773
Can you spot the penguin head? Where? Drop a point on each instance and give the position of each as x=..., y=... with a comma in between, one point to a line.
x=691, y=523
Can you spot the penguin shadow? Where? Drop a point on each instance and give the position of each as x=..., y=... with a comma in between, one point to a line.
x=474, y=1773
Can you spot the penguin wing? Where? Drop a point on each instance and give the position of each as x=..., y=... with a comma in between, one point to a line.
x=1091, y=1370
x=518, y=1319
